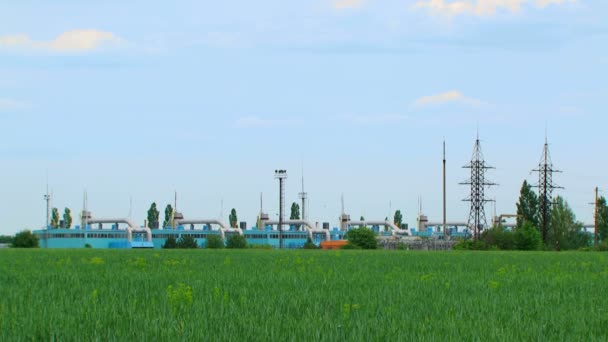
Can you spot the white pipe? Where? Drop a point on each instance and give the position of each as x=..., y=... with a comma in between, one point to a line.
x=131, y=226
x=452, y=224
x=310, y=228
x=223, y=226
x=395, y=230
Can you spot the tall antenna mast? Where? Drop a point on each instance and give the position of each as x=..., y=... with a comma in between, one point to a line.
x=281, y=175
x=303, y=196
x=85, y=215
x=445, y=228
x=47, y=198
x=545, y=190
x=478, y=183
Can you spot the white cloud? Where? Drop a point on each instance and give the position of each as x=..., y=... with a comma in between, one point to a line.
x=481, y=8
x=9, y=104
x=255, y=121
x=373, y=119
x=347, y=4
x=449, y=96
x=70, y=41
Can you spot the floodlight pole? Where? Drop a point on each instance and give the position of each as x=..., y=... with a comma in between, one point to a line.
x=281, y=175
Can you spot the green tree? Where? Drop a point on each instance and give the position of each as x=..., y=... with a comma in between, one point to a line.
x=566, y=232
x=186, y=241
x=398, y=219
x=168, y=222
x=527, y=237
x=67, y=218
x=602, y=219
x=236, y=241
x=233, y=218
x=170, y=243
x=295, y=213
x=25, y=239
x=527, y=207
x=363, y=238
x=55, y=218
x=214, y=242
x=153, y=216
x=6, y=239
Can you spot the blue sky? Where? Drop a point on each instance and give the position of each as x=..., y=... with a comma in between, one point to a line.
x=140, y=99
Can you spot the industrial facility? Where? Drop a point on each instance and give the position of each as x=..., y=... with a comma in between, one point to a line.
x=120, y=232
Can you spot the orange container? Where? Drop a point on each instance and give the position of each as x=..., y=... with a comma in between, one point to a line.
x=337, y=244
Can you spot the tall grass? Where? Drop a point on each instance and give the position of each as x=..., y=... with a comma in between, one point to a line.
x=301, y=295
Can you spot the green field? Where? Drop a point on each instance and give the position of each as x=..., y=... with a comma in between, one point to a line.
x=301, y=295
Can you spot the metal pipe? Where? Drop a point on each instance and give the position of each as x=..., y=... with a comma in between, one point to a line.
x=395, y=230
x=310, y=228
x=224, y=228
x=131, y=226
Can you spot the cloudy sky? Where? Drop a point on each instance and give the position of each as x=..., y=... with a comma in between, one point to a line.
x=133, y=100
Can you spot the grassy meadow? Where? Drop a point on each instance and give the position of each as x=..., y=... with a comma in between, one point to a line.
x=260, y=295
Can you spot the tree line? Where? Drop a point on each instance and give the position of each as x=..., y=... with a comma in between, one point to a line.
x=563, y=231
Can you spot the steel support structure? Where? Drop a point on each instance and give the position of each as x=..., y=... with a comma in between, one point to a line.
x=545, y=192
x=478, y=183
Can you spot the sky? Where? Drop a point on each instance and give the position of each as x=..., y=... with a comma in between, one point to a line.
x=132, y=101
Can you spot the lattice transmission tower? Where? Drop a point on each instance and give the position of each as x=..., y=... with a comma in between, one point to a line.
x=478, y=182
x=545, y=191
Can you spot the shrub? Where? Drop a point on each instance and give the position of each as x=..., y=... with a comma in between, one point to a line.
x=236, y=241
x=471, y=245
x=527, y=238
x=309, y=244
x=170, y=243
x=186, y=241
x=498, y=237
x=87, y=245
x=214, y=242
x=25, y=239
x=363, y=238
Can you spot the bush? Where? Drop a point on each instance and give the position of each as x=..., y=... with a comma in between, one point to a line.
x=25, y=239
x=527, y=238
x=499, y=238
x=214, y=242
x=603, y=246
x=87, y=245
x=309, y=244
x=186, y=241
x=170, y=243
x=236, y=241
x=363, y=238
x=471, y=245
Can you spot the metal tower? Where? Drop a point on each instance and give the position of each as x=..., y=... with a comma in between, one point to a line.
x=281, y=175
x=304, y=197
x=545, y=191
x=477, y=216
